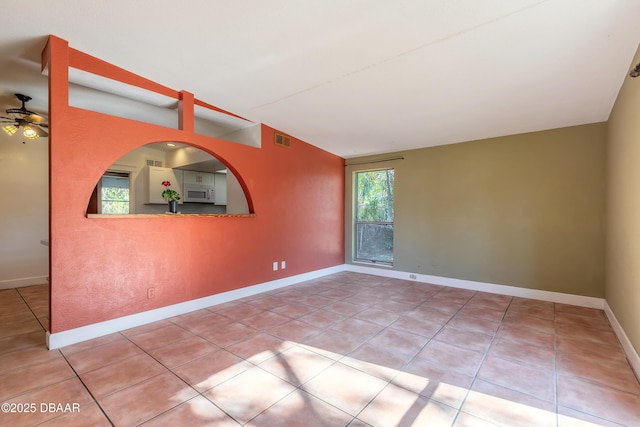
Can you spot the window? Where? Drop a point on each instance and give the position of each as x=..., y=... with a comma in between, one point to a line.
x=374, y=216
x=114, y=193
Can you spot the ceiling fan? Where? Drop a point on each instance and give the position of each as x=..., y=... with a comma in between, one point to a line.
x=31, y=124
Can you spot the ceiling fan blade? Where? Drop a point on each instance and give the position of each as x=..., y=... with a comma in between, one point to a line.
x=17, y=114
x=35, y=118
x=32, y=124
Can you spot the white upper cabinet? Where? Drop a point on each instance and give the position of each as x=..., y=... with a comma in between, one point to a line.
x=154, y=177
x=193, y=177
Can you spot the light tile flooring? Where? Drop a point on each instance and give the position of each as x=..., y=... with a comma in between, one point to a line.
x=347, y=349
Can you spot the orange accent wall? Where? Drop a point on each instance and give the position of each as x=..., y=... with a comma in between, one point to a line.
x=100, y=268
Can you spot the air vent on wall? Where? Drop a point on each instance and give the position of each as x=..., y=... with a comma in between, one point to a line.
x=157, y=163
x=282, y=140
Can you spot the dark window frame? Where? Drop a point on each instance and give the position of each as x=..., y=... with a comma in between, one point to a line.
x=360, y=225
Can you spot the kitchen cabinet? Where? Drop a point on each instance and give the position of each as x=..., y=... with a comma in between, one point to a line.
x=193, y=177
x=220, y=194
x=154, y=177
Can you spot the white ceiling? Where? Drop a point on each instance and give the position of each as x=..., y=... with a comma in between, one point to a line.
x=353, y=77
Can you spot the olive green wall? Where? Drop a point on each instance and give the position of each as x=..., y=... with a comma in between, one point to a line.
x=523, y=210
x=623, y=209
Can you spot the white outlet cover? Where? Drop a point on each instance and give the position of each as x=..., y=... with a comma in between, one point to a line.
x=283, y=265
x=275, y=265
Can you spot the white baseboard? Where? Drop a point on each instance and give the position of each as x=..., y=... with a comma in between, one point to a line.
x=515, y=291
x=23, y=281
x=72, y=336
x=557, y=297
x=83, y=333
x=632, y=355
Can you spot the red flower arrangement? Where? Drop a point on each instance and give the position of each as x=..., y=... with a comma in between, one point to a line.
x=169, y=194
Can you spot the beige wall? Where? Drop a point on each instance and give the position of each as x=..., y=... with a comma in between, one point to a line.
x=623, y=209
x=24, y=215
x=524, y=210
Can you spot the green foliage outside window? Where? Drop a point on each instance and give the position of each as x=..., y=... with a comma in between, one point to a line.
x=115, y=195
x=374, y=215
x=375, y=196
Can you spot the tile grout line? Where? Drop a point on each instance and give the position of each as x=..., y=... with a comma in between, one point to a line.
x=86, y=388
x=300, y=387
x=584, y=379
x=429, y=340
x=486, y=353
x=334, y=361
x=328, y=327
x=178, y=376
x=296, y=387
x=45, y=329
x=266, y=331
x=131, y=385
x=343, y=356
x=415, y=356
x=68, y=363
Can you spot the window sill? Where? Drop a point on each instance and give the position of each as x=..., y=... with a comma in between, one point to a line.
x=371, y=263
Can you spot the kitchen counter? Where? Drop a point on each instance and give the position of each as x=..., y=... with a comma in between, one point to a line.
x=163, y=215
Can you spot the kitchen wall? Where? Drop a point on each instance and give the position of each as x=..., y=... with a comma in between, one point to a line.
x=24, y=214
x=523, y=210
x=623, y=208
x=102, y=268
x=135, y=162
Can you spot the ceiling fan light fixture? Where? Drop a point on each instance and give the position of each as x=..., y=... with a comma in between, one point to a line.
x=31, y=125
x=30, y=133
x=10, y=129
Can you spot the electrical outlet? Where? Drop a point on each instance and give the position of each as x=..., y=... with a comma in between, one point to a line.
x=412, y=277
x=283, y=265
x=275, y=266
x=151, y=292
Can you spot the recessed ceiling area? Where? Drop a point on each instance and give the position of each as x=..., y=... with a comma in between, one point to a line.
x=356, y=77
x=207, y=162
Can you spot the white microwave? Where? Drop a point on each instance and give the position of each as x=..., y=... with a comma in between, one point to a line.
x=198, y=193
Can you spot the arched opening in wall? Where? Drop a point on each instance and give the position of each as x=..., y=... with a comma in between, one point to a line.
x=136, y=183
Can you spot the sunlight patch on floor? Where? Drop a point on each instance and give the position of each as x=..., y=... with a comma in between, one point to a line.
x=318, y=380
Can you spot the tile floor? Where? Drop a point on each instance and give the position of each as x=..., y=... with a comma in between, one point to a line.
x=347, y=349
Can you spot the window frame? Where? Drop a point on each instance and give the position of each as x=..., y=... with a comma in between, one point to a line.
x=356, y=223
x=116, y=174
